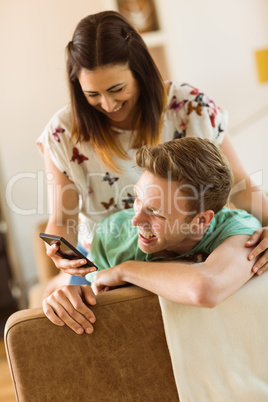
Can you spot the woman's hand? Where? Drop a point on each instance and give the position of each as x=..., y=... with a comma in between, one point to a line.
x=72, y=267
x=260, y=239
x=66, y=306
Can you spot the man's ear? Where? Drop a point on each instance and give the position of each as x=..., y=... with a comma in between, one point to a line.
x=203, y=220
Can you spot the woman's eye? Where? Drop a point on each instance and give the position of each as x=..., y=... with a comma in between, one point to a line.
x=117, y=90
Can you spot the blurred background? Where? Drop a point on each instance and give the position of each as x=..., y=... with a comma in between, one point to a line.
x=210, y=44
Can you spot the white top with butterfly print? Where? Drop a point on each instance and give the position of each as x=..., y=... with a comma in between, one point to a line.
x=189, y=113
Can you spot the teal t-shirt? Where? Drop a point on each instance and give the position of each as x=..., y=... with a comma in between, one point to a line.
x=116, y=239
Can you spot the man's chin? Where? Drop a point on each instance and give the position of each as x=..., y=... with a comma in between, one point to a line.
x=147, y=249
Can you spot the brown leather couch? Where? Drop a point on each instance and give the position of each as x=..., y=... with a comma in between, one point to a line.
x=125, y=359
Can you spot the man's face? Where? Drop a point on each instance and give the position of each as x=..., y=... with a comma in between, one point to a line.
x=161, y=215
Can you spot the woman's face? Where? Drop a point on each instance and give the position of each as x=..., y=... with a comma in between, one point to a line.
x=113, y=91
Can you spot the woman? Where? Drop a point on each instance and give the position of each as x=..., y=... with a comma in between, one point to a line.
x=118, y=103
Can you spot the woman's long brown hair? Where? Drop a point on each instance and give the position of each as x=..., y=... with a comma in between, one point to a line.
x=107, y=39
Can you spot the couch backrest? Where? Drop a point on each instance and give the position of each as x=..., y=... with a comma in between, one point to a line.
x=125, y=359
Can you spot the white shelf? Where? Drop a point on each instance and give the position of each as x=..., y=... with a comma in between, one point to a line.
x=156, y=41
x=154, y=38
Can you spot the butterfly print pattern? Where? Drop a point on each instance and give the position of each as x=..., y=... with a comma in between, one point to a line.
x=111, y=180
x=220, y=130
x=109, y=204
x=212, y=117
x=178, y=134
x=129, y=201
x=197, y=109
x=78, y=157
x=194, y=90
x=58, y=130
x=199, y=105
x=182, y=132
x=176, y=106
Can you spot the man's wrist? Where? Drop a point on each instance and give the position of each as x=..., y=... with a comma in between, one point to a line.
x=123, y=269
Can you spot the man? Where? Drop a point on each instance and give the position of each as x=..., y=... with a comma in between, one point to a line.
x=179, y=218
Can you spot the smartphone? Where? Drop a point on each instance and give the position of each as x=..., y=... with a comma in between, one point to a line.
x=66, y=250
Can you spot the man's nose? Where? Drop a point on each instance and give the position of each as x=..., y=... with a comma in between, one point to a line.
x=139, y=218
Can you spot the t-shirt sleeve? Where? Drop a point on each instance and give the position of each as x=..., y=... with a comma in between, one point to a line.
x=97, y=254
x=190, y=112
x=115, y=241
x=57, y=138
x=236, y=222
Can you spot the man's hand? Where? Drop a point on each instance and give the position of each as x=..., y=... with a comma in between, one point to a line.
x=66, y=306
x=107, y=279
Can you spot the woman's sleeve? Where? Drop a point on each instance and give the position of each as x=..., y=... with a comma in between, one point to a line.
x=194, y=114
x=57, y=138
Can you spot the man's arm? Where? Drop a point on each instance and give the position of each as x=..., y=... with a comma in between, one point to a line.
x=203, y=285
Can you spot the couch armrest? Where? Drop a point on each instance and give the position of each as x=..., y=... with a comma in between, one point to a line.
x=125, y=359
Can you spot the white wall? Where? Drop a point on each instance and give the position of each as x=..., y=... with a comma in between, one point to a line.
x=33, y=36
x=211, y=46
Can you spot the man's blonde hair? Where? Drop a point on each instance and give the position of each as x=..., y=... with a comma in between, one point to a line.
x=199, y=167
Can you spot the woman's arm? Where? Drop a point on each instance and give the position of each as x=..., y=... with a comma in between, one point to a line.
x=63, y=219
x=63, y=202
x=247, y=196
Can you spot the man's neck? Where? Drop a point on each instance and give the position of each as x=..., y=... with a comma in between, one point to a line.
x=182, y=248
x=188, y=244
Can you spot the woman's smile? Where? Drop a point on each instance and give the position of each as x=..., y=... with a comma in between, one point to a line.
x=113, y=96
x=119, y=108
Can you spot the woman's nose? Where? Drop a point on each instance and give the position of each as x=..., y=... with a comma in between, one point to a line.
x=107, y=104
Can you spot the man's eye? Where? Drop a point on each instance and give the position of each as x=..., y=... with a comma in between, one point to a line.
x=157, y=215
